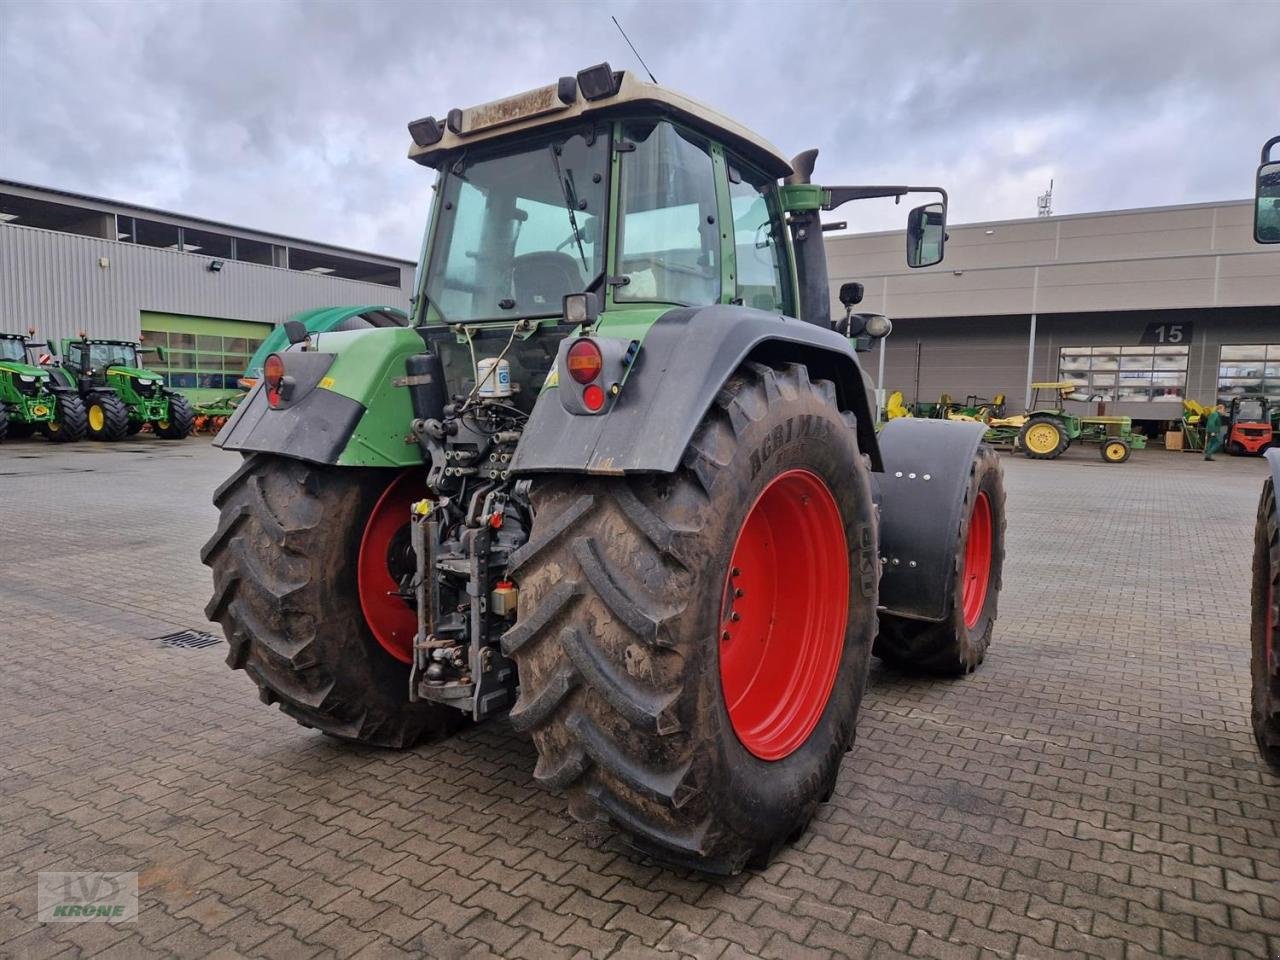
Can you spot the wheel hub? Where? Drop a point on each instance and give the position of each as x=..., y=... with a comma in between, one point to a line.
x=380, y=568
x=977, y=561
x=1042, y=438
x=783, y=615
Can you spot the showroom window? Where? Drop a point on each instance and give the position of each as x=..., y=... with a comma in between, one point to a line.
x=1127, y=374
x=1248, y=369
x=201, y=361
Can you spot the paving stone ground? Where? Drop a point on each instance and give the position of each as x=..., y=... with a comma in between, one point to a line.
x=1093, y=789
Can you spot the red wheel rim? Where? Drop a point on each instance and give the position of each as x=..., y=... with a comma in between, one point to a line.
x=392, y=620
x=977, y=561
x=784, y=612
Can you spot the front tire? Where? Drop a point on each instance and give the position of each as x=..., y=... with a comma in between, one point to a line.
x=70, y=422
x=1115, y=450
x=181, y=419
x=284, y=561
x=108, y=417
x=629, y=612
x=1265, y=629
x=958, y=644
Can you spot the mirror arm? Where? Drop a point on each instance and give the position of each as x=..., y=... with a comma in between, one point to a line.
x=1266, y=149
x=842, y=195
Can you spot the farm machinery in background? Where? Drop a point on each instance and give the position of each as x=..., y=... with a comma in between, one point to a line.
x=1252, y=425
x=1044, y=432
x=31, y=400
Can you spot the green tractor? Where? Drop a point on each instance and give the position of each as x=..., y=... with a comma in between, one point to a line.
x=118, y=394
x=620, y=480
x=30, y=400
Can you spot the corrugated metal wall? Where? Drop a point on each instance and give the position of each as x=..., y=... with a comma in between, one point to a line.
x=55, y=282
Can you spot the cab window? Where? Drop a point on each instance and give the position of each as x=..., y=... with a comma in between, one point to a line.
x=669, y=240
x=761, y=258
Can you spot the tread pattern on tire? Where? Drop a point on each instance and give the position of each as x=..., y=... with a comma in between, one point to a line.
x=1266, y=582
x=946, y=649
x=283, y=559
x=604, y=584
x=181, y=419
x=115, y=417
x=73, y=422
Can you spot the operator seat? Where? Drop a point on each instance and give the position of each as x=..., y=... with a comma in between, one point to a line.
x=540, y=280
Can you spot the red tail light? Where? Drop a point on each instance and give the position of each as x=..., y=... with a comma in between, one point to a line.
x=593, y=397
x=585, y=362
x=273, y=374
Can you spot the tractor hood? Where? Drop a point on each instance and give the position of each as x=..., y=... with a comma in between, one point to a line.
x=136, y=372
x=23, y=369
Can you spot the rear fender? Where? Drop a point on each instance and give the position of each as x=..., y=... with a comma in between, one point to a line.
x=1273, y=461
x=921, y=494
x=344, y=407
x=686, y=357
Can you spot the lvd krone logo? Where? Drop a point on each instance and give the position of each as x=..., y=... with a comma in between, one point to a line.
x=88, y=896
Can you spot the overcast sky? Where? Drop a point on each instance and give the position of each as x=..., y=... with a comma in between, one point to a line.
x=290, y=116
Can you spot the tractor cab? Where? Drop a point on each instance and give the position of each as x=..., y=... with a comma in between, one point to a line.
x=1248, y=426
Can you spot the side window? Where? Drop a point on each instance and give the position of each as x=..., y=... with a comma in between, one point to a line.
x=75, y=355
x=669, y=242
x=761, y=258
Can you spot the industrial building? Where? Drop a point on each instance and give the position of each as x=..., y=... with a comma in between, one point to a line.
x=208, y=292
x=1142, y=307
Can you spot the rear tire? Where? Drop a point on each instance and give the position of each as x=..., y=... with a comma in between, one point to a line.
x=1042, y=438
x=624, y=588
x=284, y=572
x=4, y=422
x=70, y=423
x=108, y=417
x=1265, y=629
x=181, y=419
x=957, y=645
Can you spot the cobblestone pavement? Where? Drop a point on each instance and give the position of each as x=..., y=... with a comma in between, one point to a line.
x=1092, y=789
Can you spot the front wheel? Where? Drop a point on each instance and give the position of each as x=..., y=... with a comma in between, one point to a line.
x=958, y=644
x=1265, y=629
x=693, y=648
x=181, y=419
x=108, y=417
x=1115, y=450
x=71, y=422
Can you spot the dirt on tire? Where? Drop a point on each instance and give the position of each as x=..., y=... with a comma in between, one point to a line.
x=952, y=647
x=284, y=572
x=617, y=640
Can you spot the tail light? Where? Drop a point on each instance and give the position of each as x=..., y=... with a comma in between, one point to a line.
x=273, y=376
x=593, y=397
x=584, y=361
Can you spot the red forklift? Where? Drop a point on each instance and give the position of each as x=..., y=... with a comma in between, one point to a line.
x=1249, y=430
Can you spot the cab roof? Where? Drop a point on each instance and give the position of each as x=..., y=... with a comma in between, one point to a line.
x=543, y=108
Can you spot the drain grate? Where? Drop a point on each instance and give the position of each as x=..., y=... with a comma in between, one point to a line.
x=189, y=640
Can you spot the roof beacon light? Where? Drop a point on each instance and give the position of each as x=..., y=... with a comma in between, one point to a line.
x=426, y=131
x=597, y=82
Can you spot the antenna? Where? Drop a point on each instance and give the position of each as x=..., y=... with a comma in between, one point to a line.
x=1044, y=202
x=633, y=49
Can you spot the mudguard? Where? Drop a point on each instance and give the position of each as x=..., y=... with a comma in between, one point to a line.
x=687, y=355
x=921, y=493
x=1273, y=461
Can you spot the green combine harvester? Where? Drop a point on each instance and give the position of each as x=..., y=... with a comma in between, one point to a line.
x=31, y=401
x=119, y=395
x=620, y=480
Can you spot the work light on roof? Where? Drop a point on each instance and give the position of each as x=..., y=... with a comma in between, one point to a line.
x=597, y=82
x=426, y=131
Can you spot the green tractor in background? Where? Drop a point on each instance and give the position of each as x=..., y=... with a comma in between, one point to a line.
x=620, y=479
x=31, y=401
x=118, y=394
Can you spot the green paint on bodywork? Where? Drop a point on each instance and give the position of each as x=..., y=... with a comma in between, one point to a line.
x=322, y=320
x=365, y=364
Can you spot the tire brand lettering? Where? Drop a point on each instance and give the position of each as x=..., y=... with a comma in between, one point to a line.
x=805, y=426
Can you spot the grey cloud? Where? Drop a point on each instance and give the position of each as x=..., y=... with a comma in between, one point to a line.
x=291, y=116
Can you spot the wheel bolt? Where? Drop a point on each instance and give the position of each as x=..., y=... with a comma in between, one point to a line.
x=735, y=572
x=725, y=636
x=738, y=594
x=735, y=616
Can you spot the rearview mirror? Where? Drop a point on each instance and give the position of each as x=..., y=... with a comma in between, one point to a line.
x=160, y=355
x=52, y=348
x=926, y=234
x=851, y=293
x=1266, y=208
x=296, y=331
